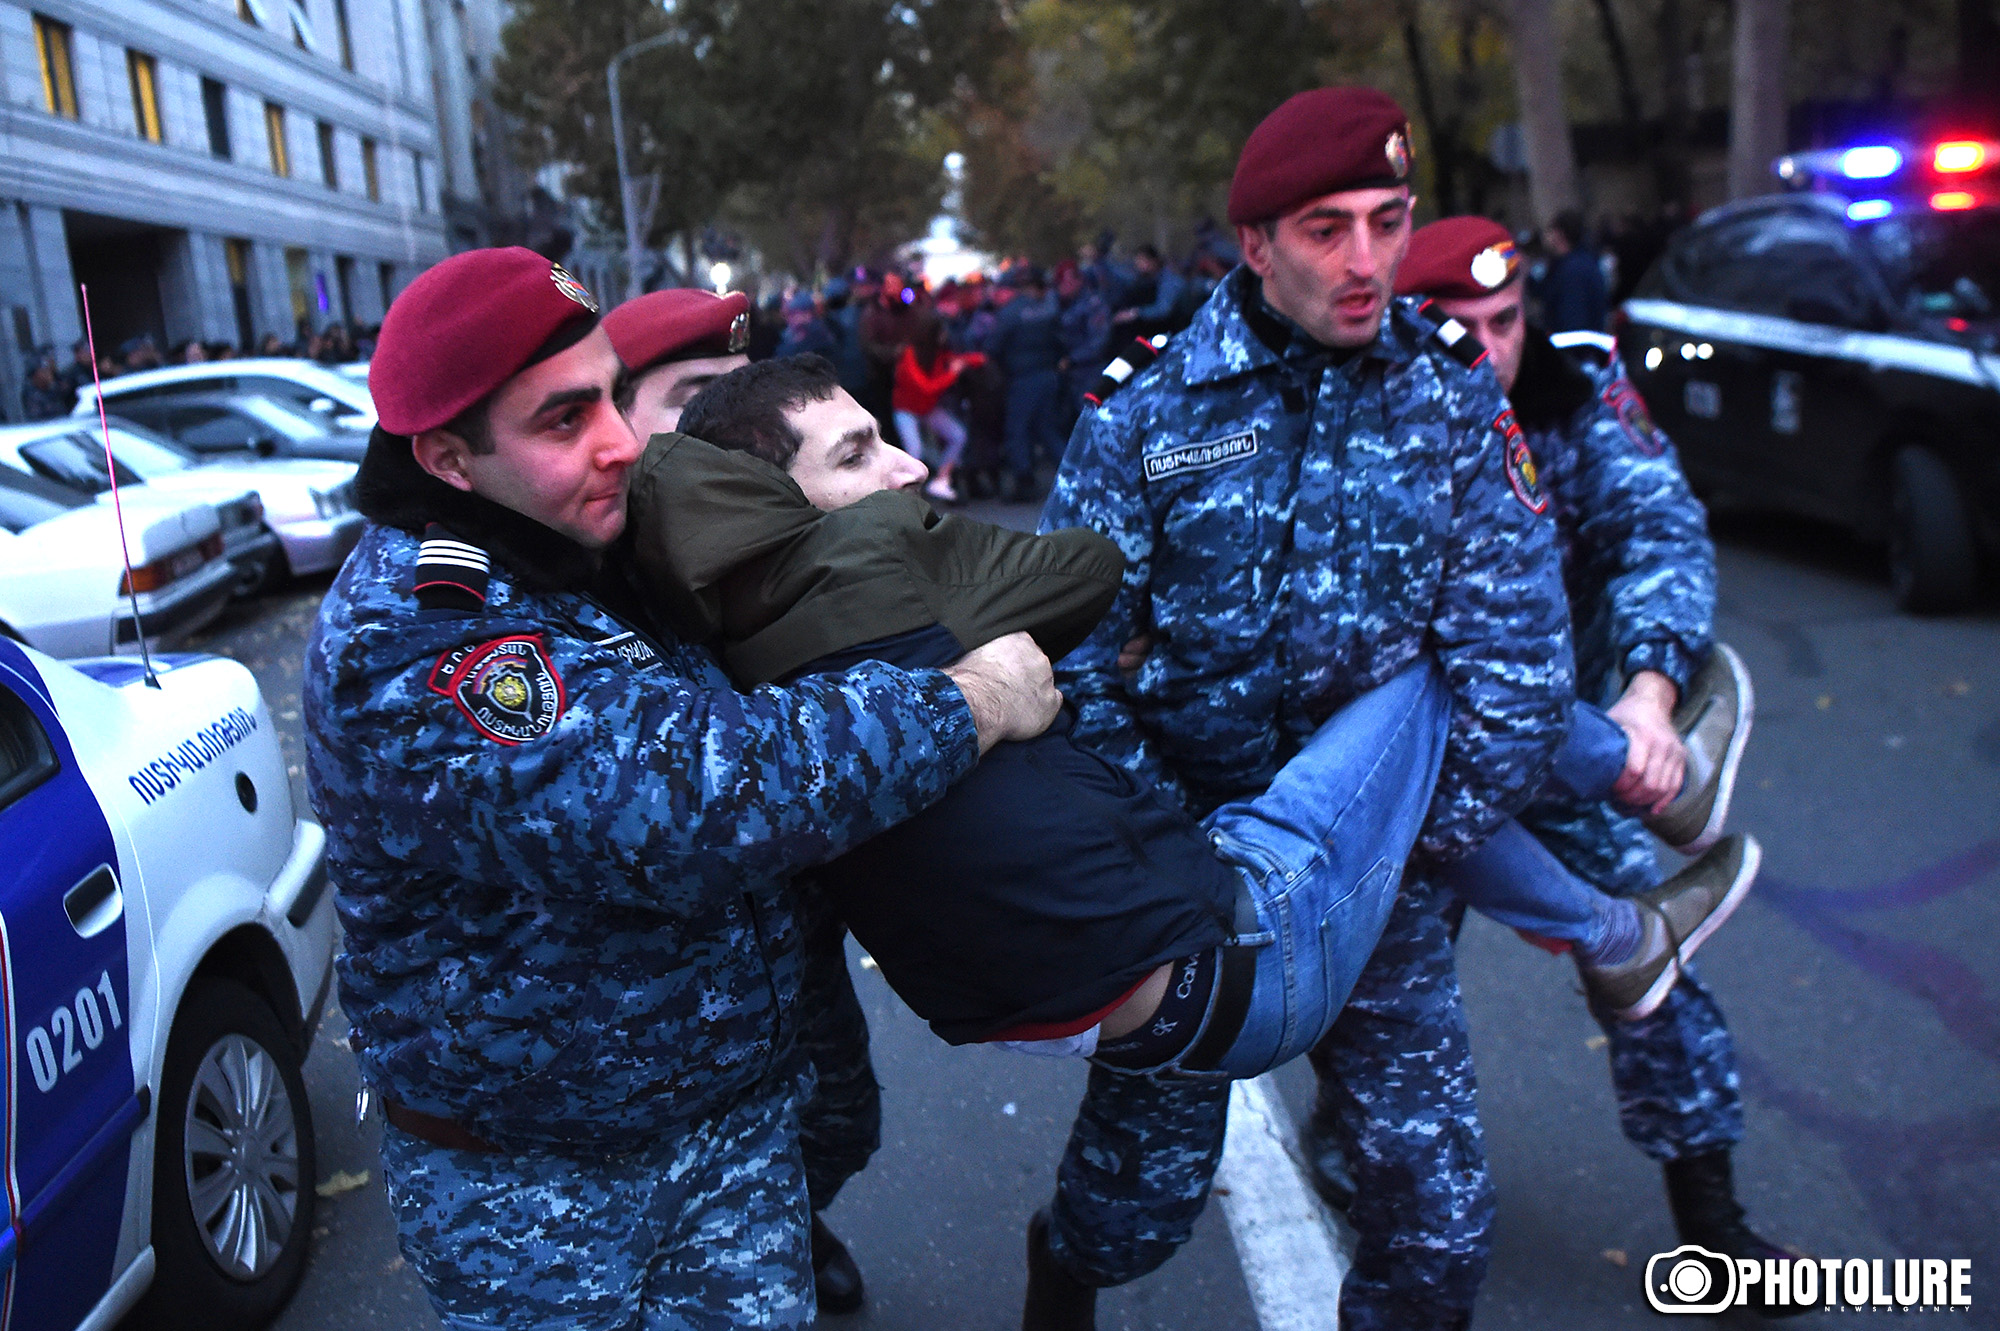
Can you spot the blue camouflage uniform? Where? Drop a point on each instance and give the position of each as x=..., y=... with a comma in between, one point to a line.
x=561, y=849
x=1640, y=571
x=1298, y=527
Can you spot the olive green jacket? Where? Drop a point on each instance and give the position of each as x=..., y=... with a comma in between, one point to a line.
x=729, y=546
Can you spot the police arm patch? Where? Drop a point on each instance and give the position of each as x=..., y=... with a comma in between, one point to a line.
x=507, y=688
x=1522, y=473
x=1633, y=418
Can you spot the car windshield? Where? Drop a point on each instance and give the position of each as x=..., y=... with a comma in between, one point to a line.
x=78, y=459
x=25, y=501
x=1944, y=265
x=294, y=425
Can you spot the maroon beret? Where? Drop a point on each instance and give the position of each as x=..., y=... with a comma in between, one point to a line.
x=1458, y=258
x=1320, y=142
x=678, y=324
x=465, y=327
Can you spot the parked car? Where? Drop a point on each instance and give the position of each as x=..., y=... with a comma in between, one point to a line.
x=307, y=521
x=165, y=950
x=63, y=587
x=1836, y=353
x=317, y=390
x=234, y=423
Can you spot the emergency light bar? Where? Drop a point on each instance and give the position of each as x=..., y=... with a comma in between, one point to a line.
x=1914, y=176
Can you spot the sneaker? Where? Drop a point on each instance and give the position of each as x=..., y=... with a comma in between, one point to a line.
x=941, y=493
x=1714, y=722
x=836, y=1279
x=1676, y=918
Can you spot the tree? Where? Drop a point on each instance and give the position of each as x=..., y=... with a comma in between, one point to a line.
x=1544, y=116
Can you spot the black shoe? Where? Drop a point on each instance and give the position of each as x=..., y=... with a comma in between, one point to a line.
x=1325, y=1150
x=1703, y=1197
x=1057, y=1300
x=836, y=1279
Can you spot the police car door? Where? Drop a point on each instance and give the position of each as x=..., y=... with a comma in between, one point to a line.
x=1811, y=407
x=70, y=1103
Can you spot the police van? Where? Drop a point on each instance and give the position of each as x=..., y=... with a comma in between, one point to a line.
x=1835, y=352
x=166, y=946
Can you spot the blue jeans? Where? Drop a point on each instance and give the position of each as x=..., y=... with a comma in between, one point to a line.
x=1322, y=854
x=1512, y=878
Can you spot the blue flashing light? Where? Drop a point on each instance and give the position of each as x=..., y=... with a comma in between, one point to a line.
x=1871, y=163
x=1868, y=210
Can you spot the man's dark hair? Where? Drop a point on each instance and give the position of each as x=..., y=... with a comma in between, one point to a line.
x=1570, y=222
x=475, y=426
x=1148, y=252
x=745, y=409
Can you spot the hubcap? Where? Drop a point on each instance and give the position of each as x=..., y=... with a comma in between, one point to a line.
x=242, y=1157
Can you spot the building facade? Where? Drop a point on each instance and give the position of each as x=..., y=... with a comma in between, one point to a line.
x=216, y=169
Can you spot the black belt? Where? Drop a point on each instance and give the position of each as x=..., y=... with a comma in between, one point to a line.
x=1234, y=980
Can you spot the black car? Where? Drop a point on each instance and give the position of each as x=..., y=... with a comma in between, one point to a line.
x=1839, y=359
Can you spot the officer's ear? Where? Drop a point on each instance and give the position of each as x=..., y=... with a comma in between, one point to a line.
x=444, y=455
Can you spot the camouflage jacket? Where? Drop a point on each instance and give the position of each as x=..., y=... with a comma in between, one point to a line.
x=561, y=848
x=1637, y=561
x=1296, y=530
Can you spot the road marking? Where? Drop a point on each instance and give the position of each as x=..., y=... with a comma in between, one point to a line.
x=1291, y=1252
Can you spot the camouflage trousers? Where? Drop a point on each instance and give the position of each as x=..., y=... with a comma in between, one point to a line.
x=697, y=1233
x=840, y=1122
x=1396, y=1083
x=1675, y=1072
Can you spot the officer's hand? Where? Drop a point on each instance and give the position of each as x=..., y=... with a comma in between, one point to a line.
x=1010, y=687
x=1656, y=762
x=1134, y=653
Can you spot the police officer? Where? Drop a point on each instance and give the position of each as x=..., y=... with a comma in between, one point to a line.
x=1639, y=570
x=1310, y=488
x=560, y=842
x=674, y=344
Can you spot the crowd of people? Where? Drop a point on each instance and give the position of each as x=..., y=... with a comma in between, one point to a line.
x=53, y=389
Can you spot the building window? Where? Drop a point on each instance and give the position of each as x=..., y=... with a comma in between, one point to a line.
x=329, y=170
x=298, y=278
x=385, y=273
x=346, y=35
x=423, y=192
x=145, y=72
x=371, y=175
x=52, y=43
x=215, y=109
x=274, y=129
x=238, y=254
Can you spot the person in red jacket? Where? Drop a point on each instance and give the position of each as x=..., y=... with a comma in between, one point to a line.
x=925, y=372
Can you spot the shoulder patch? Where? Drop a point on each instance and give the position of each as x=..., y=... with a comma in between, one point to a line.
x=1522, y=473
x=507, y=688
x=1633, y=418
x=451, y=574
x=1454, y=337
x=1137, y=355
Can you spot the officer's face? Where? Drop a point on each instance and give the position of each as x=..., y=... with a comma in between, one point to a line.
x=659, y=394
x=1500, y=323
x=1329, y=266
x=843, y=457
x=562, y=453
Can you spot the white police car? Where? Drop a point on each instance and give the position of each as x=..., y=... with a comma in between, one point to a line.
x=1836, y=353
x=165, y=948
x=318, y=390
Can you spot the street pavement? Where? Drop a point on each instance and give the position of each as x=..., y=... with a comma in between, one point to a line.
x=1860, y=978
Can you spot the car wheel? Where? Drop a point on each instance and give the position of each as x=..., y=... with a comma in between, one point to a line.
x=1933, y=565
x=277, y=573
x=232, y=1166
